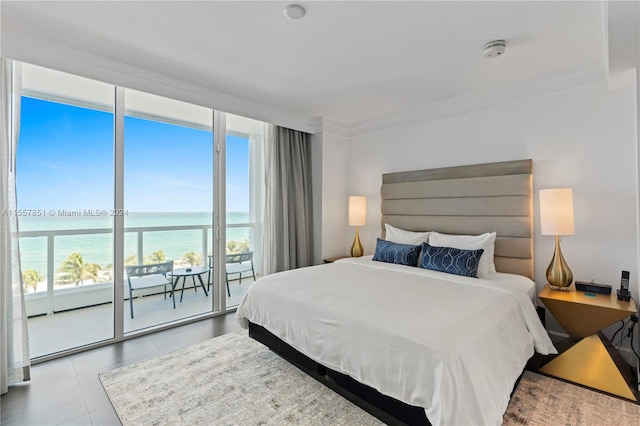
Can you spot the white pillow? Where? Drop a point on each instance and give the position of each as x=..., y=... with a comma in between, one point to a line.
x=400, y=236
x=470, y=242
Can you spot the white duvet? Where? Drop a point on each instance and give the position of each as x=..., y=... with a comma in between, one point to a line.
x=453, y=345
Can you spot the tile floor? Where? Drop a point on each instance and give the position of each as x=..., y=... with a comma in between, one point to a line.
x=67, y=391
x=49, y=334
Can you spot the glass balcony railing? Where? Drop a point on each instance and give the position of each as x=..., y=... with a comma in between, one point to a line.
x=47, y=292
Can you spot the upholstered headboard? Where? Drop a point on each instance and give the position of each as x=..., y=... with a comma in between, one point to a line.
x=468, y=200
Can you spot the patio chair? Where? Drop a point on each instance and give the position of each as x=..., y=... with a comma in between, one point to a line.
x=141, y=277
x=237, y=263
x=209, y=282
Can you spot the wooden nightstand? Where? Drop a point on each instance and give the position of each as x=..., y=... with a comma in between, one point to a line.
x=333, y=259
x=592, y=361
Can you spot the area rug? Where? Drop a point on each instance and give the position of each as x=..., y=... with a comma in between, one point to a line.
x=229, y=380
x=234, y=380
x=541, y=400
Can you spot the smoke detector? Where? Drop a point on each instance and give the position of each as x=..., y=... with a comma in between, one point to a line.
x=494, y=49
x=294, y=11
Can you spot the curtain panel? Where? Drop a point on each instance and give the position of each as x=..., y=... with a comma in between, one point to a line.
x=14, y=340
x=287, y=225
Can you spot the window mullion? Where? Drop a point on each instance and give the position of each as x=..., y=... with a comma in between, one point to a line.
x=118, y=225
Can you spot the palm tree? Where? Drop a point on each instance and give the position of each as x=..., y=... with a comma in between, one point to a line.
x=131, y=260
x=31, y=278
x=75, y=270
x=192, y=258
x=236, y=247
x=157, y=256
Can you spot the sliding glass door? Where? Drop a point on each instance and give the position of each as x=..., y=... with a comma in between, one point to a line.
x=168, y=199
x=65, y=200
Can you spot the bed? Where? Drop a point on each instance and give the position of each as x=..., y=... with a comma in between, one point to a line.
x=409, y=344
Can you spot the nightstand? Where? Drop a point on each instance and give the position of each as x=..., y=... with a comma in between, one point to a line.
x=592, y=361
x=333, y=259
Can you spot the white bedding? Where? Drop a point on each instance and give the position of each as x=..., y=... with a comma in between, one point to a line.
x=453, y=345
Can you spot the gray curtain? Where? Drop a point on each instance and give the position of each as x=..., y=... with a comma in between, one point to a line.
x=14, y=339
x=287, y=221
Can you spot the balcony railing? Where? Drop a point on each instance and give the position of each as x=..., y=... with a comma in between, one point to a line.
x=70, y=297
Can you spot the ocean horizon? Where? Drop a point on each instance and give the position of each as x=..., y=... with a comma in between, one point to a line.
x=98, y=248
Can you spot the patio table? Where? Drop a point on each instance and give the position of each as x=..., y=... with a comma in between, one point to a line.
x=193, y=272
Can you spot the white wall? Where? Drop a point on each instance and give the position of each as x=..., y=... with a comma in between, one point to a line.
x=316, y=187
x=334, y=208
x=583, y=138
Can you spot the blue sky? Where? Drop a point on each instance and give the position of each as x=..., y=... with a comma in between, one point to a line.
x=65, y=161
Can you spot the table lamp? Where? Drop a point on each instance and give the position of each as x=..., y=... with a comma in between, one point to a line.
x=556, y=218
x=357, y=217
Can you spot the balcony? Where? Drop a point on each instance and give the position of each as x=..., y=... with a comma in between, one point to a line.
x=70, y=329
x=68, y=316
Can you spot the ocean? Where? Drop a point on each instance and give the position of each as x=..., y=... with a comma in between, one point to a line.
x=98, y=248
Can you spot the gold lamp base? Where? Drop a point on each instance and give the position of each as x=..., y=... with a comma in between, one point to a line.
x=559, y=275
x=356, y=247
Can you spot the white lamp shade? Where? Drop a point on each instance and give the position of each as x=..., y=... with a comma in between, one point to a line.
x=357, y=210
x=556, y=211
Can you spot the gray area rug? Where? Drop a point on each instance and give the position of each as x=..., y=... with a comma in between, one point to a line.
x=229, y=380
x=234, y=380
x=541, y=400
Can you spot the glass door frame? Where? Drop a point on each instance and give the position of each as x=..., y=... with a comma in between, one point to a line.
x=118, y=220
x=219, y=205
x=219, y=301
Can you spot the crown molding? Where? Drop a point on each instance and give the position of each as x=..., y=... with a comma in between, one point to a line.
x=476, y=101
x=334, y=127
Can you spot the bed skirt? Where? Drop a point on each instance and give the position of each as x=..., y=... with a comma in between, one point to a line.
x=385, y=408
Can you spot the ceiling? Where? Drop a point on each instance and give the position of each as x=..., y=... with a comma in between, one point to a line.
x=349, y=62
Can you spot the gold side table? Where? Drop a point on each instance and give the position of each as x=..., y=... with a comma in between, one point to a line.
x=592, y=361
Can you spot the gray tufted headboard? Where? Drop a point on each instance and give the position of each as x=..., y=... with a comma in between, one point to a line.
x=468, y=200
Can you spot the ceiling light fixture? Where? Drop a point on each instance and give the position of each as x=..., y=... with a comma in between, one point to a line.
x=494, y=49
x=294, y=11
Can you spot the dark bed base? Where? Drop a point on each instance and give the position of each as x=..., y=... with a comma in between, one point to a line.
x=387, y=409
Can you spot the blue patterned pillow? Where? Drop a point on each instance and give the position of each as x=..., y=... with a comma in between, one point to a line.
x=401, y=254
x=451, y=260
